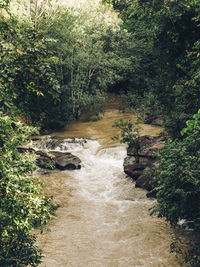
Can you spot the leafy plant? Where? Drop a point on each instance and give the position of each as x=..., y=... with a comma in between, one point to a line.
x=130, y=135
x=47, y=165
x=23, y=205
x=179, y=184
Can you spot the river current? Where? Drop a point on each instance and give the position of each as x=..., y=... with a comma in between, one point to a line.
x=103, y=220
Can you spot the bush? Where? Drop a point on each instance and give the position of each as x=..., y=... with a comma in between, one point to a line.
x=23, y=205
x=179, y=184
x=130, y=135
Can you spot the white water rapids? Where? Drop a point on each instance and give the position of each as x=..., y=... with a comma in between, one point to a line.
x=103, y=220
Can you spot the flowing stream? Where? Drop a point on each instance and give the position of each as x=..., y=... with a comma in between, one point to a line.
x=103, y=220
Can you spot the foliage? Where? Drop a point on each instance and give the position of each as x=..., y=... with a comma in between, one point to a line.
x=4, y=3
x=179, y=189
x=130, y=135
x=23, y=205
x=27, y=80
x=91, y=58
x=168, y=65
x=54, y=68
x=179, y=180
x=47, y=165
x=179, y=184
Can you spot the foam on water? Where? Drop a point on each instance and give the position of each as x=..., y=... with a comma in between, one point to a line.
x=103, y=220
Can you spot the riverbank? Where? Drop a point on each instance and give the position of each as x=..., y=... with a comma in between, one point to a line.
x=143, y=172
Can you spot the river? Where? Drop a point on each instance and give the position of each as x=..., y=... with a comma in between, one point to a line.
x=103, y=220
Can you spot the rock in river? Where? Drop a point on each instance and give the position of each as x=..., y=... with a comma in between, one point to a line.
x=66, y=160
x=133, y=169
x=142, y=172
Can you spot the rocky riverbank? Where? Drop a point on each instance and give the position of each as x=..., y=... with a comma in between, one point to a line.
x=143, y=172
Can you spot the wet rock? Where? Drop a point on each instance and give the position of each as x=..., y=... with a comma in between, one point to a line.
x=149, y=145
x=150, y=151
x=45, y=160
x=55, y=159
x=133, y=169
x=23, y=149
x=66, y=161
x=152, y=193
x=143, y=171
x=144, y=181
x=147, y=140
x=58, y=160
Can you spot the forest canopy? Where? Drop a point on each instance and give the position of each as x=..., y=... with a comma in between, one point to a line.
x=58, y=60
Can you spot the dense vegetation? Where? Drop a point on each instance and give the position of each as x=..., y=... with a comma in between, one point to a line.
x=23, y=205
x=179, y=183
x=165, y=79
x=58, y=62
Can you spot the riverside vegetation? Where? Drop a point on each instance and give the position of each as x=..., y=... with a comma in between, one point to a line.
x=59, y=61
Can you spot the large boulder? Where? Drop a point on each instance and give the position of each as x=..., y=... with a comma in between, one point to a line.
x=144, y=181
x=58, y=160
x=132, y=168
x=54, y=159
x=66, y=160
x=149, y=145
x=142, y=172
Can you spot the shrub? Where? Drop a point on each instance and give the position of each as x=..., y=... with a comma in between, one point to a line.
x=23, y=205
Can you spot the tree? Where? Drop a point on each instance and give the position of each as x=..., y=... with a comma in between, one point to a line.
x=169, y=31
x=62, y=67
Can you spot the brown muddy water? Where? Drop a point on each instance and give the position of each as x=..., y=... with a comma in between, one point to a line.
x=103, y=220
